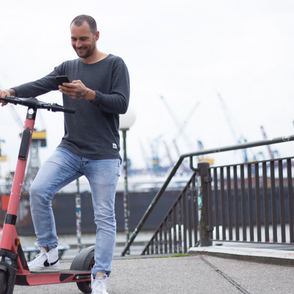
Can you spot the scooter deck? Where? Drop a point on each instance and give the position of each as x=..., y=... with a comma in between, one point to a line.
x=63, y=276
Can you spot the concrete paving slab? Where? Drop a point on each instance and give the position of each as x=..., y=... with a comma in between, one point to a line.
x=176, y=275
x=267, y=255
x=185, y=275
x=233, y=268
x=256, y=278
x=188, y=275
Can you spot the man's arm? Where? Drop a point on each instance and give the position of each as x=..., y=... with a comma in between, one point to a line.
x=77, y=90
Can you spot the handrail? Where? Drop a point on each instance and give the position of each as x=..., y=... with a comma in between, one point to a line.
x=152, y=205
x=191, y=155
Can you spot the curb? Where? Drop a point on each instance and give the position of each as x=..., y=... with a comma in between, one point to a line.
x=278, y=257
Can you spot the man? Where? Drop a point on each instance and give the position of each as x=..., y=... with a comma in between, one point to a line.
x=99, y=91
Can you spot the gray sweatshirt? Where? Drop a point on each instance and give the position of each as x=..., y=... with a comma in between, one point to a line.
x=93, y=131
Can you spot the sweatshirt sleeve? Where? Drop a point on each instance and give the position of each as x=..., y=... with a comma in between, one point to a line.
x=38, y=87
x=117, y=100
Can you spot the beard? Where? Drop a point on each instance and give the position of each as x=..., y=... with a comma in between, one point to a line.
x=86, y=53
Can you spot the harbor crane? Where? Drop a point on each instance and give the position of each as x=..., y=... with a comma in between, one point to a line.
x=2, y=157
x=270, y=151
x=181, y=126
x=228, y=118
x=145, y=157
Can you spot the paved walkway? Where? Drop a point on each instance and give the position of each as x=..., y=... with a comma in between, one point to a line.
x=197, y=273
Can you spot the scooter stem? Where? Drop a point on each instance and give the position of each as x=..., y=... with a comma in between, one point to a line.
x=9, y=235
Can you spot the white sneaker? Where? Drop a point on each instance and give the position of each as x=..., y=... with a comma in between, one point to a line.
x=98, y=284
x=45, y=261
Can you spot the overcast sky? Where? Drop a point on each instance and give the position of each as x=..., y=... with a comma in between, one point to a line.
x=186, y=51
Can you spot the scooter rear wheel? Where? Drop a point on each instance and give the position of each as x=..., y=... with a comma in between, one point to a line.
x=84, y=261
x=3, y=282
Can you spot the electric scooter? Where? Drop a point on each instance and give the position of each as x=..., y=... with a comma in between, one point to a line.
x=13, y=265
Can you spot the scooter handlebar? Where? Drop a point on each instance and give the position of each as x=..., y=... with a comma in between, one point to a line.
x=56, y=107
x=34, y=103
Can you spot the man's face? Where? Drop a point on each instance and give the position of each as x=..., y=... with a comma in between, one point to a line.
x=82, y=40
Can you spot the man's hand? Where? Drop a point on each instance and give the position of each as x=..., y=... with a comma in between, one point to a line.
x=5, y=93
x=77, y=90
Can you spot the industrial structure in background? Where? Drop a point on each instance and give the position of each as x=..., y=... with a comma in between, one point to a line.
x=2, y=157
x=157, y=166
x=273, y=154
x=238, y=139
x=180, y=126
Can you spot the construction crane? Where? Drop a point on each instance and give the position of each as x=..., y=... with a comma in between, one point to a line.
x=228, y=118
x=181, y=126
x=2, y=157
x=260, y=155
x=171, y=162
x=145, y=157
x=181, y=129
x=271, y=153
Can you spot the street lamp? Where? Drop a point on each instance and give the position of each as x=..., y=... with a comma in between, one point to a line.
x=125, y=122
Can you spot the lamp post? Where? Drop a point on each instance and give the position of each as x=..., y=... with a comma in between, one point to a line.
x=78, y=216
x=125, y=122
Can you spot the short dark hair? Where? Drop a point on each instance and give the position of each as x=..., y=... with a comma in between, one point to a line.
x=80, y=19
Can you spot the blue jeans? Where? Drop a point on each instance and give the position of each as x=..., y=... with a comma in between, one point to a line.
x=59, y=170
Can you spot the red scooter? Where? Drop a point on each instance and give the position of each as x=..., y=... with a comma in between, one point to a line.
x=13, y=265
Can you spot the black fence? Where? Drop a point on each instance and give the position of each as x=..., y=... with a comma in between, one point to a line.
x=252, y=202
x=248, y=202
x=179, y=229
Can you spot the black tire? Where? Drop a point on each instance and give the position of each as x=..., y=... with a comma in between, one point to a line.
x=3, y=282
x=84, y=261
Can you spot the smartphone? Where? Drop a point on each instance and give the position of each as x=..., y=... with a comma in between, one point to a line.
x=62, y=79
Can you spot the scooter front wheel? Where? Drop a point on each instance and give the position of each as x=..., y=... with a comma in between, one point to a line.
x=84, y=261
x=3, y=281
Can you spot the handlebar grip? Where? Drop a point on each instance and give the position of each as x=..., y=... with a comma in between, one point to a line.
x=56, y=107
x=69, y=110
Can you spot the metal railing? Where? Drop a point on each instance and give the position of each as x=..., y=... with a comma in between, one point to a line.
x=252, y=202
x=187, y=225
x=179, y=229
